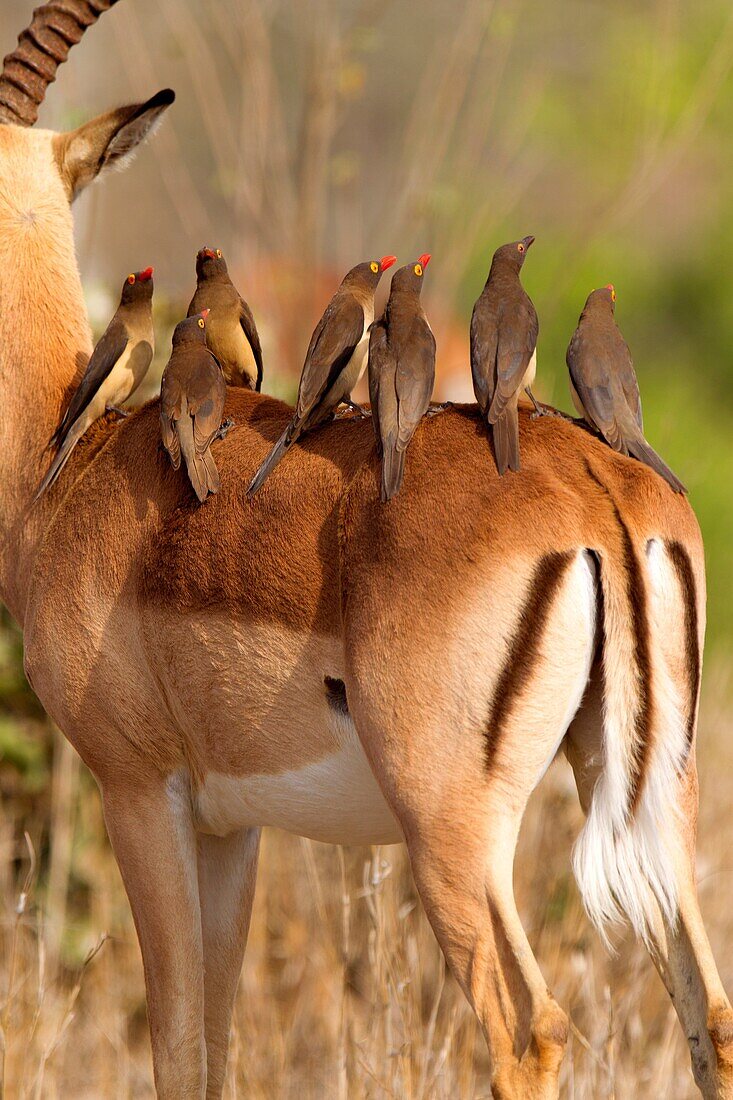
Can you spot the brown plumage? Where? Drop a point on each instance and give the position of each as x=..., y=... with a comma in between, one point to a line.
x=117, y=366
x=231, y=332
x=401, y=372
x=192, y=396
x=504, y=329
x=335, y=359
x=603, y=383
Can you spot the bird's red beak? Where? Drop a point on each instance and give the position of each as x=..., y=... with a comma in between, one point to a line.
x=387, y=261
x=145, y=275
x=609, y=286
x=424, y=260
x=205, y=313
x=208, y=252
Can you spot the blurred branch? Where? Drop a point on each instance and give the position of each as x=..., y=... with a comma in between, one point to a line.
x=179, y=183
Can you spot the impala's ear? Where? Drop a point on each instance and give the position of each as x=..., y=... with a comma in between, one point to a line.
x=109, y=141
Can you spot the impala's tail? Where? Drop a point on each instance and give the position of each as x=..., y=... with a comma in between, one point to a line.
x=283, y=445
x=624, y=859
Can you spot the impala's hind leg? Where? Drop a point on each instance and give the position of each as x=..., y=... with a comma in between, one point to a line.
x=682, y=954
x=152, y=835
x=459, y=731
x=227, y=868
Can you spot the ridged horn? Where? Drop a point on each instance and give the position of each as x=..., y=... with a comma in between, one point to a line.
x=42, y=47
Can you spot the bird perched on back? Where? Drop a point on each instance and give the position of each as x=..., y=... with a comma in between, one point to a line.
x=504, y=329
x=401, y=372
x=603, y=383
x=192, y=395
x=335, y=360
x=116, y=368
x=231, y=332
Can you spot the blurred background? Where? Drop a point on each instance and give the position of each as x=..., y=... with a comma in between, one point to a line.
x=306, y=138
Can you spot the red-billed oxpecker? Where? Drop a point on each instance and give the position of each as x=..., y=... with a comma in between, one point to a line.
x=231, y=332
x=603, y=383
x=335, y=360
x=401, y=372
x=504, y=329
x=117, y=366
x=192, y=395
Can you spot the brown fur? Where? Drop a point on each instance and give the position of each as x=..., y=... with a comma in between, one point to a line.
x=181, y=645
x=524, y=648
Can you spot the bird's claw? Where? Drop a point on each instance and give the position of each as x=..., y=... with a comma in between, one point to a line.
x=225, y=427
x=545, y=410
x=435, y=409
x=351, y=406
x=118, y=411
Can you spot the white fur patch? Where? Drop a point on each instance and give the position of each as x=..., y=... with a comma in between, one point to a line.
x=336, y=799
x=626, y=865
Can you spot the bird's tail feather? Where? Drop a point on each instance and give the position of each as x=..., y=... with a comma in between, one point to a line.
x=393, y=469
x=639, y=448
x=62, y=457
x=283, y=445
x=201, y=468
x=506, y=440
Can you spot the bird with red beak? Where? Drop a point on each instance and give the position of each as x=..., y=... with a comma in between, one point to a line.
x=192, y=396
x=117, y=367
x=401, y=372
x=504, y=330
x=231, y=332
x=603, y=383
x=335, y=360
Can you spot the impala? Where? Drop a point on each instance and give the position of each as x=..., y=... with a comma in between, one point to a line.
x=346, y=670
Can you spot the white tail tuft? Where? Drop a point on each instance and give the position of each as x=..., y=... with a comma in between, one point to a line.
x=624, y=859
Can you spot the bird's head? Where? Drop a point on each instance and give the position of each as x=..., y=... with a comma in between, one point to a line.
x=210, y=262
x=192, y=330
x=409, y=278
x=370, y=272
x=602, y=300
x=515, y=253
x=137, y=287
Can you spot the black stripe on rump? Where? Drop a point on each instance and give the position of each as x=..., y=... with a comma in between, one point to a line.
x=638, y=603
x=693, y=660
x=524, y=648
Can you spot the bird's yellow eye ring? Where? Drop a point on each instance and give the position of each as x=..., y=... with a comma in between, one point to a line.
x=417, y=269
x=131, y=279
x=613, y=295
x=218, y=253
x=374, y=266
x=520, y=247
x=202, y=323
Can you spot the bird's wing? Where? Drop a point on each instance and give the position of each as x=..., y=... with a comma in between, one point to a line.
x=249, y=328
x=484, y=340
x=516, y=345
x=592, y=374
x=170, y=411
x=206, y=392
x=414, y=380
x=380, y=362
x=331, y=347
x=629, y=383
x=105, y=355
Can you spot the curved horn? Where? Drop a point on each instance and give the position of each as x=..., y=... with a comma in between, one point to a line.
x=42, y=47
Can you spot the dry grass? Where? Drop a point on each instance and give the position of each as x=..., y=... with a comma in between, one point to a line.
x=344, y=992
